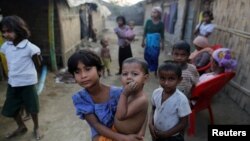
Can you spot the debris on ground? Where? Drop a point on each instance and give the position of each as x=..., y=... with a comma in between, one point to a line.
x=63, y=76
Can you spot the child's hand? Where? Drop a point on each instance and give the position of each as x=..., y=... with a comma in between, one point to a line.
x=153, y=131
x=130, y=88
x=161, y=134
x=132, y=137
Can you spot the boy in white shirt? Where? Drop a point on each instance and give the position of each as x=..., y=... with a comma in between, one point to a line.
x=170, y=107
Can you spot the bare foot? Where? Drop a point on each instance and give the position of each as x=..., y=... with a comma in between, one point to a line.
x=18, y=131
x=37, y=134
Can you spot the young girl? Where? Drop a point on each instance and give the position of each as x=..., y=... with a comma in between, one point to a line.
x=170, y=107
x=190, y=75
x=20, y=54
x=153, y=39
x=105, y=55
x=223, y=60
x=124, y=47
x=96, y=102
x=206, y=27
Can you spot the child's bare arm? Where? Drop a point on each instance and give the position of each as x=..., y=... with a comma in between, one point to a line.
x=37, y=59
x=197, y=29
x=196, y=76
x=103, y=130
x=110, y=56
x=107, y=132
x=176, y=129
x=151, y=124
x=119, y=35
x=125, y=110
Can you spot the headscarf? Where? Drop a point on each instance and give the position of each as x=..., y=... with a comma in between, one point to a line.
x=225, y=58
x=201, y=41
x=158, y=9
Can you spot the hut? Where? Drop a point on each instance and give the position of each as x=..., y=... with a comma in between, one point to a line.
x=55, y=25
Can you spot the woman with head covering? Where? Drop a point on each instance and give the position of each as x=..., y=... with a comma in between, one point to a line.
x=201, y=56
x=153, y=39
x=223, y=60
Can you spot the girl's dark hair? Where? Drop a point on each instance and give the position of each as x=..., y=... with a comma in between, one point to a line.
x=170, y=65
x=121, y=18
x=208, y=13
x=182, y=45
x=139, y=61
x=87, y=57
x=17, y=25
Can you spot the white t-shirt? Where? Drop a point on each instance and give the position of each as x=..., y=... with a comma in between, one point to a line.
x=205, y=28
x=21, y=68
x=167, y=114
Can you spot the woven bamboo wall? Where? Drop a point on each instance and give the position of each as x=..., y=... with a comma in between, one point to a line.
x=233, y=31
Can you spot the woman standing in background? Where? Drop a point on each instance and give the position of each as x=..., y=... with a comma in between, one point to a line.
x=153, y=39
x=124, y=47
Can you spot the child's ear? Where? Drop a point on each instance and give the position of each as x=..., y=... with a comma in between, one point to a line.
x=99, y=73
x=146, y=76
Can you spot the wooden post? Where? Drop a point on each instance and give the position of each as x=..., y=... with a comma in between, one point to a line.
x=52, y=35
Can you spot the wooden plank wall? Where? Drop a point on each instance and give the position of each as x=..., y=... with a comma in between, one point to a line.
x=233, y=31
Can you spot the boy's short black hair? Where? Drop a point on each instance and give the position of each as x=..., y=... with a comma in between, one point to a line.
x=208, y=13
x=87, y=57
x=17, y=25
x=121, y=18
x=182, y=45
x=170, y=65
x=101, y=41
x=139, y=61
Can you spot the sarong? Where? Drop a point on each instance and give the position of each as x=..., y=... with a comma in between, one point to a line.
x=152, y=50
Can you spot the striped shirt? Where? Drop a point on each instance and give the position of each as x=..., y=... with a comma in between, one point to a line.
x=190, y=77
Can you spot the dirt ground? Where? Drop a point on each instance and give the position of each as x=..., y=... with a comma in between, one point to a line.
x=58, y=121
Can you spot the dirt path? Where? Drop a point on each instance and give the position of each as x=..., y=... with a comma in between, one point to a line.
x=59, y=123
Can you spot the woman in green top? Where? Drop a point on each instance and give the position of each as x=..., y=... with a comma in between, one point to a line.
x=153, y=39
